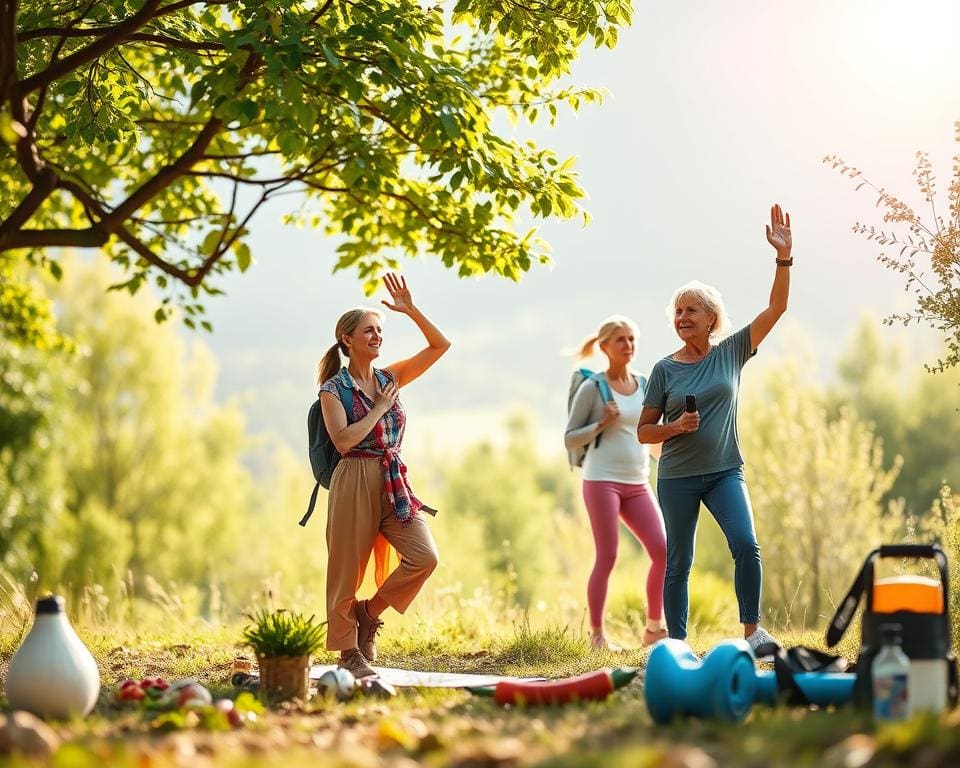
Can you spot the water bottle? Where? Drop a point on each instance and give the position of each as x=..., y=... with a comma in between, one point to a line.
x=891, y=674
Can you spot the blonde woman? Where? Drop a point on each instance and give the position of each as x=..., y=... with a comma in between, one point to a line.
x=701, y=460
x=616, y=473
x=370, y=503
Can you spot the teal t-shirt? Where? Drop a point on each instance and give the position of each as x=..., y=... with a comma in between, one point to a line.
x=715, y=381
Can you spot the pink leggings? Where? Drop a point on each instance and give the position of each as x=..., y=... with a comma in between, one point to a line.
x=606, y=501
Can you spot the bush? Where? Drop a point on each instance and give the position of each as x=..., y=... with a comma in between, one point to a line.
x=280, y=633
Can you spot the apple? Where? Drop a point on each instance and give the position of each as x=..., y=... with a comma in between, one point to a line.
x=131, y=693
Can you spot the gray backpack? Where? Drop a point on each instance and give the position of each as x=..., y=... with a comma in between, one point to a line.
x=576, y=456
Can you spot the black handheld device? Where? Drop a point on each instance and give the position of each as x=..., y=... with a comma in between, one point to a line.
x=691, y=404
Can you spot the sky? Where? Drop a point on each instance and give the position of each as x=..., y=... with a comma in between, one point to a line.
x=716, y=111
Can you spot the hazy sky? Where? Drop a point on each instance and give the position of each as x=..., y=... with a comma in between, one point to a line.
x=716, y=111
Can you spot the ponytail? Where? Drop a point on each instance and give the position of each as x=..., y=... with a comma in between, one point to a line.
x=586, y=350
x=607, y=329
x=329, y=364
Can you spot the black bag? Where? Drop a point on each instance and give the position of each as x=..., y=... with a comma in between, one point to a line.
x=926, y=634
x=787, y=662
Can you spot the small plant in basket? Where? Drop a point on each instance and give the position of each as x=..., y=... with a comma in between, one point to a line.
x=283, y=642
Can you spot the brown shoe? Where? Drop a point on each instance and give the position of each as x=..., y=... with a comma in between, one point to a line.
x=367, y=628
x=354, y=662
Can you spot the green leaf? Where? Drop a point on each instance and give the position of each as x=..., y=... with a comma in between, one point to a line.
x=450, y=126
x=244, y=259
x=330, y=56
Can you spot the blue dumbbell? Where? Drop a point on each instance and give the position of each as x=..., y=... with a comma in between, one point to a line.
x=723, y=684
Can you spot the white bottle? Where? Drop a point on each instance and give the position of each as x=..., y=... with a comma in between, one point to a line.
x=891, y=676
x=53, y=674
x=928, y=685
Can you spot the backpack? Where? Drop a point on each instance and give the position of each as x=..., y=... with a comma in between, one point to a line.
x=919, y=605
x=575, y=456
x=324, y=457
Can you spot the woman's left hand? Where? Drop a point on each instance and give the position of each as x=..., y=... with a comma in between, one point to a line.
x=397, y=285
x=778, y=232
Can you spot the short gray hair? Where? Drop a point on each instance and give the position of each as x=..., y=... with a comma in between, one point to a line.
x=709, y=298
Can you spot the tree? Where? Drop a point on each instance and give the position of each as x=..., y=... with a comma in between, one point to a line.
x=817, y=486
x=156, y=130
x=937, y=240
x=145, y=469
x=910, y=411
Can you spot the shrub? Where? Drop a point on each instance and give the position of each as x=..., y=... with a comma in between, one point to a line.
x=281, y=633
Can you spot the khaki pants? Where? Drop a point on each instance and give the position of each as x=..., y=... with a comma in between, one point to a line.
x=357, y=512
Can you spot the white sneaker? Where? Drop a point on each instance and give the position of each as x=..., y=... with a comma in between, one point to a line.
x=759, y=637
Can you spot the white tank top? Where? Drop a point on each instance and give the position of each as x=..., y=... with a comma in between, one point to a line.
x=620, y=457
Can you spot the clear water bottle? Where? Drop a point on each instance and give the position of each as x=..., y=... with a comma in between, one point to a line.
x=891, y=674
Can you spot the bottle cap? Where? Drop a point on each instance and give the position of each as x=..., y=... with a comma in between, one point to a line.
x=50, y=604
x=891, y=634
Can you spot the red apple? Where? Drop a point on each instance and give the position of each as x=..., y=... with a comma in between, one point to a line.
x=131, y=693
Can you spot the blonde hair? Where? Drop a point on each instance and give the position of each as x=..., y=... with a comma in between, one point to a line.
x=349, y=321
x=707, y=297
x=607, y=328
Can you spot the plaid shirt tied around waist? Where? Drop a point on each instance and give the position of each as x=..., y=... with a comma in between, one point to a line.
x=402, y=499
x=382, y=443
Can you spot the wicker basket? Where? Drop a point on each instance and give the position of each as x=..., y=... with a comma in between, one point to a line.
x=285, y=677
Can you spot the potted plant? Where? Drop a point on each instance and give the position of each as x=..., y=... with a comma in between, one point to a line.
x=283, y=643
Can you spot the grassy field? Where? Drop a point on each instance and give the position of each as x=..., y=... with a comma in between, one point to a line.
x=444, y=727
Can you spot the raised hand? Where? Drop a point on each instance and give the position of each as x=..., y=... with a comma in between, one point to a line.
x=778, y=232
x=397, y=285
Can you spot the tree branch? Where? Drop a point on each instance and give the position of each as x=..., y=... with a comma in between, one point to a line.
x=148, y=37
x=43, y=186
x=169, y=173
x=8, y=47
x=91, y=52
x=323, y=9
x=144, y=252
x=92, y=237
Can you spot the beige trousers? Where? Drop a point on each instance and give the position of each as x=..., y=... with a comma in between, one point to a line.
x=357, y=511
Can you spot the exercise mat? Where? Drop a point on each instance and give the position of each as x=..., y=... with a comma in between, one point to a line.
x=413, y=678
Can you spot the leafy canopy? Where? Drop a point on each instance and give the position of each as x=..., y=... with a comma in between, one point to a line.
x=156, y=129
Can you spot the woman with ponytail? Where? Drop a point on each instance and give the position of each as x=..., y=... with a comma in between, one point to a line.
x=370, y=506
x=616, y=473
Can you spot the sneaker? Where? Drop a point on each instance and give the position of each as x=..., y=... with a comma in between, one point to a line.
x=367, y=628
x=354, y=662
x=651, y=637
x=600, y=643
x=761, y=637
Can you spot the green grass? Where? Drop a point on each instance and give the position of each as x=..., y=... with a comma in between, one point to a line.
x=437, y=727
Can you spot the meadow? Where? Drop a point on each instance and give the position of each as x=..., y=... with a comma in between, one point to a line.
x=437, y=727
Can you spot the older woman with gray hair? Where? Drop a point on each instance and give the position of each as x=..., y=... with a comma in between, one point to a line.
x=695, y=391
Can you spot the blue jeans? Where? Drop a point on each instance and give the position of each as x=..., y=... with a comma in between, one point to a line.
x=725, y=495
